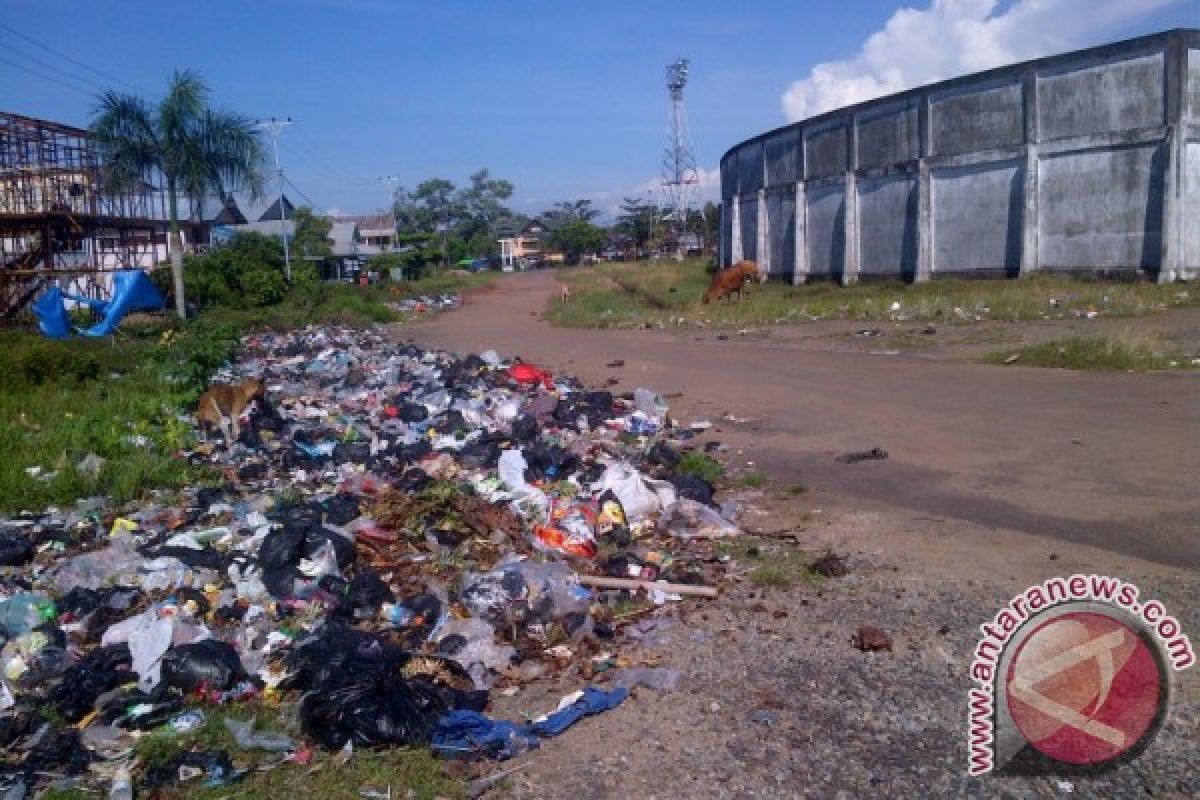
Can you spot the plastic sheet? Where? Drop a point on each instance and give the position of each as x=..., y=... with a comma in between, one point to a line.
x=689, y=519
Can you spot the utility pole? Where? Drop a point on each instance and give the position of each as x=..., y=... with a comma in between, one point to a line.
x=389, y=181
x=275, y=126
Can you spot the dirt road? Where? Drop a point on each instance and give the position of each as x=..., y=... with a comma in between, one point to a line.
x=1105, y=460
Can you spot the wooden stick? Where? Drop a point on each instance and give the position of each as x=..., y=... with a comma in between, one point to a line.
x=604, y=582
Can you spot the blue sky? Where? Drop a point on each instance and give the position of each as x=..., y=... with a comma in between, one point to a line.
x=564, y=99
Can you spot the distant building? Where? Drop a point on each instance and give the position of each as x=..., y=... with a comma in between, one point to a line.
x=377, y=231
x=523, y=246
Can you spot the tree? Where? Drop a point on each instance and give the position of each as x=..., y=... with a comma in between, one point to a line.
x=482, y=208
x=573, y=239
x=639, y=220
x=567, y=212
x=311, y=233
x=196, y=148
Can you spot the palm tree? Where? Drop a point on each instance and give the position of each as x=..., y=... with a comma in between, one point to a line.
x=196, y=148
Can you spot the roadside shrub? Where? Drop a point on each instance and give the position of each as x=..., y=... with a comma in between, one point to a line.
x=248, y=272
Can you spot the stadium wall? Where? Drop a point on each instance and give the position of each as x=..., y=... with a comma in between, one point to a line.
x=1085, y=162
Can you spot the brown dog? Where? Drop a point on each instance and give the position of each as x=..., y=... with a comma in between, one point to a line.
x=731, y=279
x=223, y=403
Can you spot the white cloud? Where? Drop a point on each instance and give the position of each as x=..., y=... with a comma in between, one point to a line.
x=955, y=37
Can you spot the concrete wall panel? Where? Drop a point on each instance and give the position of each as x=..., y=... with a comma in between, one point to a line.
x=1190, y=231
x=1113, y=96
x=783, y=158
x=986, y=117
x=1101, y=208
x=727, y=232
x=1061, y=163
x=825, y=152
x=729, y=174
x=886, y=138
x=748, y=213
x=826, y=229
x=977, y=217
x=750, y=168
x=1193, y=83
x=887, y=226
x=781, y=225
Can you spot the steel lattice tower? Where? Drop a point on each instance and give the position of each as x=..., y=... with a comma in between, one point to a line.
x=679, y=160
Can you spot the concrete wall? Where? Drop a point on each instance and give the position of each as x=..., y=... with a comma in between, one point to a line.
x=1082, y=162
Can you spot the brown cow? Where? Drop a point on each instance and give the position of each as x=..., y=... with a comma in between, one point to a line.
x=729, y=280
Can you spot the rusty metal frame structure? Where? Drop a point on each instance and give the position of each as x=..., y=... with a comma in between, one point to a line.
x=59, y=223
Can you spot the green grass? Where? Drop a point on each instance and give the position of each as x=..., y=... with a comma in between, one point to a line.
x=60, y=401
x=752, y=480
x=1126, y=352
x=777, y=565
x=668, y=293
x=701, y=465
x=403, y=769
x=441, y=282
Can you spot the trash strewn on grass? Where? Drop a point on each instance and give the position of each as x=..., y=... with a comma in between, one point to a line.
x=395, y=534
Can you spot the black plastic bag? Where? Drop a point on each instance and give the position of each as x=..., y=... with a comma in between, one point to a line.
x=693, y=488
x=663, y=455
x=525, y=428
x=412, y=412
x=16, y=549
x=209, y=663
x=281, y=548
x=100, y=671
x=59, y=750
x=341, y=508
x=372, y=708
x=343, y=547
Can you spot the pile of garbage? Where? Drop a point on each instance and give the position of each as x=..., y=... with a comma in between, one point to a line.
x=420, y=304
x=395, y=534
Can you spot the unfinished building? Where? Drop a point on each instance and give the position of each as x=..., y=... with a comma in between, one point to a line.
x=59, y=223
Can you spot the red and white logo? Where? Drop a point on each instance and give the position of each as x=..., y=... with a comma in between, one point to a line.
x=1084, y=688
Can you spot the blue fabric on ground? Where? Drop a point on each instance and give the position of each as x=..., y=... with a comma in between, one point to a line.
x=461, y=734
x=593, y=701
x=469, y=733
x=52, y=314
x=132, y=291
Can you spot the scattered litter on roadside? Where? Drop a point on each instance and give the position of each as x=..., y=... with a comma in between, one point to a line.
x=874, y=454
x=391, y=535
x=872, y=639
x=422, y=304
x=830, y=565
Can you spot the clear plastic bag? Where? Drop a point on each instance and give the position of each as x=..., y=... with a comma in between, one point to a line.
x=691, y=520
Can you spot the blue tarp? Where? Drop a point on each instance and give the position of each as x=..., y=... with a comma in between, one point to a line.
x=462, y=733
x=52, y=314
x=132, y=291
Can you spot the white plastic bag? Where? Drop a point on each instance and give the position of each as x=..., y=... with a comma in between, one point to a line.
x=639, y=496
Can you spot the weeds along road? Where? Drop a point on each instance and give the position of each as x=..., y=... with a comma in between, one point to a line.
x=1104, y=459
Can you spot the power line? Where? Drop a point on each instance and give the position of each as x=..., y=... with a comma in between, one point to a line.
x=324, y=156
x=312, y=203
x=74, y=61
x=36, y=74
x=89, y=82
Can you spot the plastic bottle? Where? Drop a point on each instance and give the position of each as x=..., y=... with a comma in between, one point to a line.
x=122, y=785
x=22, y=613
